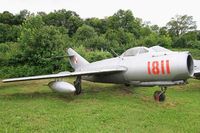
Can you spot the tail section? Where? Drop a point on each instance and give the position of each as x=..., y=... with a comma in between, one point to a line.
x=75, y=59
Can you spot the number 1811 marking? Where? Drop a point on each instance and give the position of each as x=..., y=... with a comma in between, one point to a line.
x=156, y=67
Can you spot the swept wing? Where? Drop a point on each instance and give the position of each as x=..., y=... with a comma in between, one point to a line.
x=68, y=74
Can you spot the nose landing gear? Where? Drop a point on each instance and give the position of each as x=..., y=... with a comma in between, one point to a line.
x=160, y=95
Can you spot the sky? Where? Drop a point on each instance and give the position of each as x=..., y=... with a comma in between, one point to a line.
x=156, y=11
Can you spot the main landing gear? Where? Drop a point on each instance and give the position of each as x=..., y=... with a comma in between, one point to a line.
x=77, y=85
x=160, y=95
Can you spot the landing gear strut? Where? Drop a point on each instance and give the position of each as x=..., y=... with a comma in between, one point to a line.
x=160, y=95
x=77, y=85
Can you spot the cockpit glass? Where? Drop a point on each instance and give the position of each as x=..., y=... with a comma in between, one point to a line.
x=159, y=49
x=135, y=51
x=143, y=50
x=131, y=52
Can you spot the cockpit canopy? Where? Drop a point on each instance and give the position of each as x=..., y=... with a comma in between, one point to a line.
x=135, y=51
x=141, y=50
x=159, y=49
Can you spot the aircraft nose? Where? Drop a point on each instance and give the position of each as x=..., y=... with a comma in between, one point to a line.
x=190, y=64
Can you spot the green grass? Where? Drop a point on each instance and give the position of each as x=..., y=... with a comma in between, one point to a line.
x=32, y=107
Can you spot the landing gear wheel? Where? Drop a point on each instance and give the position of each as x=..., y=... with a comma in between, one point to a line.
x=159, y=96
x=127, y=85
x=77, y=85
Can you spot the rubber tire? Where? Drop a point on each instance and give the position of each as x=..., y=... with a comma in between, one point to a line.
x=159, y=97
x=127, y=85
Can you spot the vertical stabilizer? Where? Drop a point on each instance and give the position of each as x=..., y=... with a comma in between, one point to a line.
x=75, y=59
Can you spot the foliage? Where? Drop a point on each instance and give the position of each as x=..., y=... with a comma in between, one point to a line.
x=98, y=55
x=68, y=19
x=85, y=32
x=94, y=55
x=188, y=40
x=181, y=24
x=9, y=33
x=100, y=25
x=126, y=21
x=8, y=51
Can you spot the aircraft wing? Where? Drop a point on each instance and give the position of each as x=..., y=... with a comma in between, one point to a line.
x=68, y=74
x=197, y=69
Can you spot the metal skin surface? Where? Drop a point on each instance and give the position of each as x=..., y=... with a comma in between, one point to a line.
x=61, y=86
x=197, y=69
x=137, y=68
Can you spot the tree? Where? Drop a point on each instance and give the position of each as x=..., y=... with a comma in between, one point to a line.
x=149, y=40
x=125, y=20
x=163, y=31
x=6, y=18
x=68, y=19
x=97, y=42
x=119, y=40
x=85, y=32
x=180, y=25
x=56, y=18
x=73, y=24
x=8, y=50
x=21, y=17
x=188, y=40
x=39, y=43
x=9, y=33
x=97, y=55
x=155, y=28
x=100, y=25
x=145, y=31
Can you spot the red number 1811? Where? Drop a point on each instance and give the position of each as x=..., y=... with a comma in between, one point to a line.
x=158, y=67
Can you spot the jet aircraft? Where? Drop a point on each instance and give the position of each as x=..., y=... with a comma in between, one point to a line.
x=139, y=66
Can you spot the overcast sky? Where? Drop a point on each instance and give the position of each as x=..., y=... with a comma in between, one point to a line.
x=156, y=11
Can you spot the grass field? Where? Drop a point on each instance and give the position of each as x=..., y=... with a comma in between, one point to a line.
x=32, y=107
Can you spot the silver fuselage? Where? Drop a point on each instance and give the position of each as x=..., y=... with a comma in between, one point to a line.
x=148, y=67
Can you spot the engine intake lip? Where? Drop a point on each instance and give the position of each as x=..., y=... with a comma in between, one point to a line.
x=190, y=65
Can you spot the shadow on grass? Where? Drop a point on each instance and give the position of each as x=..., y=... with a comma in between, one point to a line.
x=112, y=88
x=4, y=86
x=90, y=90
x=37, y=95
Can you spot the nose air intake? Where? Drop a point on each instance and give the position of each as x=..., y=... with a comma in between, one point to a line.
x=190, y=65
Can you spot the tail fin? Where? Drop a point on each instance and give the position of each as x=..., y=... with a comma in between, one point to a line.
x=75, y=59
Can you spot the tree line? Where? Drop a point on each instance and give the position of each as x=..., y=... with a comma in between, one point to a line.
x=33, y=44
